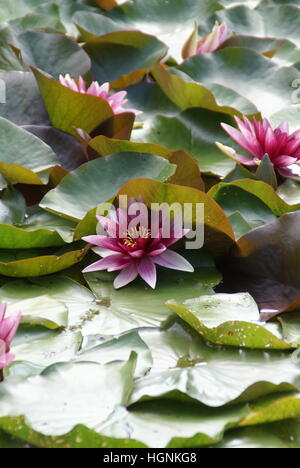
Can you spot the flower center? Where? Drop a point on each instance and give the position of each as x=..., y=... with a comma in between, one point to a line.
x=134, y=233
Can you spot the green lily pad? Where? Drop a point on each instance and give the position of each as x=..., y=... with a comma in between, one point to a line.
x=215, y=376
x=12, y=207
x=186, y=426
x=67, y=148
x=33, y=155
x=43, y=347
x=239, y=224
x=69, y=109
x=194, y=130
x=289, y=113
x=228, y=319
x=31, y=262
x=24, y=105
x=185, y=93
x=253, y=211
x=8, y=59
x=79, y=192
x=187, y=171
x=9, y=12
x=43, y=311
x=53, y=53
x=268, y=85
x=118, y=349
x=225, y=193
x=268, y=47
x=290, y=323
x=78, y=300
x=41, y=229
x=44, y=396
x=164, y=423
x=8, y=441
x=283, y=434
x=271, y=409
x=39, y=21
x=171, y=22
x=278, y=21
x=289, y=191
x=137, y=305
x=124, y=57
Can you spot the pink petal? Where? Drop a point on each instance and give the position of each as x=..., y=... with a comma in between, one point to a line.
x=68, y=82
x=126, y=276
x=10, y=328
x=110, y=263
x=158, y=250
x=284, y=126
x=292, y=146
x=110, y=226
x=81, y=85
x=240, y=139
x=104, y=242
x=270, y=142
x=9, y=359
x=147, y=271
x=136, y=253
x=244, y=160
x=2, y=355
x=173, y=260
x=284, y=161
x=3, y=308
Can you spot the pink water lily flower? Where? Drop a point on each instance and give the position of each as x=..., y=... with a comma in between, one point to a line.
x=258, y=138
x=116, y=101
x=137, y=251
x=214, y=40
x=8, y=329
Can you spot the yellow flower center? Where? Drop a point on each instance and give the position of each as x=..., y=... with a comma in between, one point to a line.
x=134, y=233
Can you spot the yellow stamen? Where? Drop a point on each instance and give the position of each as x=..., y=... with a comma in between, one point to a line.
x=134, y=233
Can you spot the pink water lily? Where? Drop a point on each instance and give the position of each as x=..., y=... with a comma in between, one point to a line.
x=213, y=40
x=116, y=101
x=258, y=138
x=8, y=329
x=137, y=251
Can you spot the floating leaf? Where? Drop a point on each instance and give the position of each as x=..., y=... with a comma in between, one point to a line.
x=69, y=109
x=194, y=130
x=78, y=300
x=214, y=376
x=33, y=155
x=33, y=263
x=138, y=305
x=44, y=347
x=251, y=75
x=79, y=192
x=53, y=53
x=259, y=189
x=171, y=21
x=228, y=319
x=187, y=171
x=85, y=405
x=119, y=57
x=24, y=105
x=186, y=94
x=120, y=349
